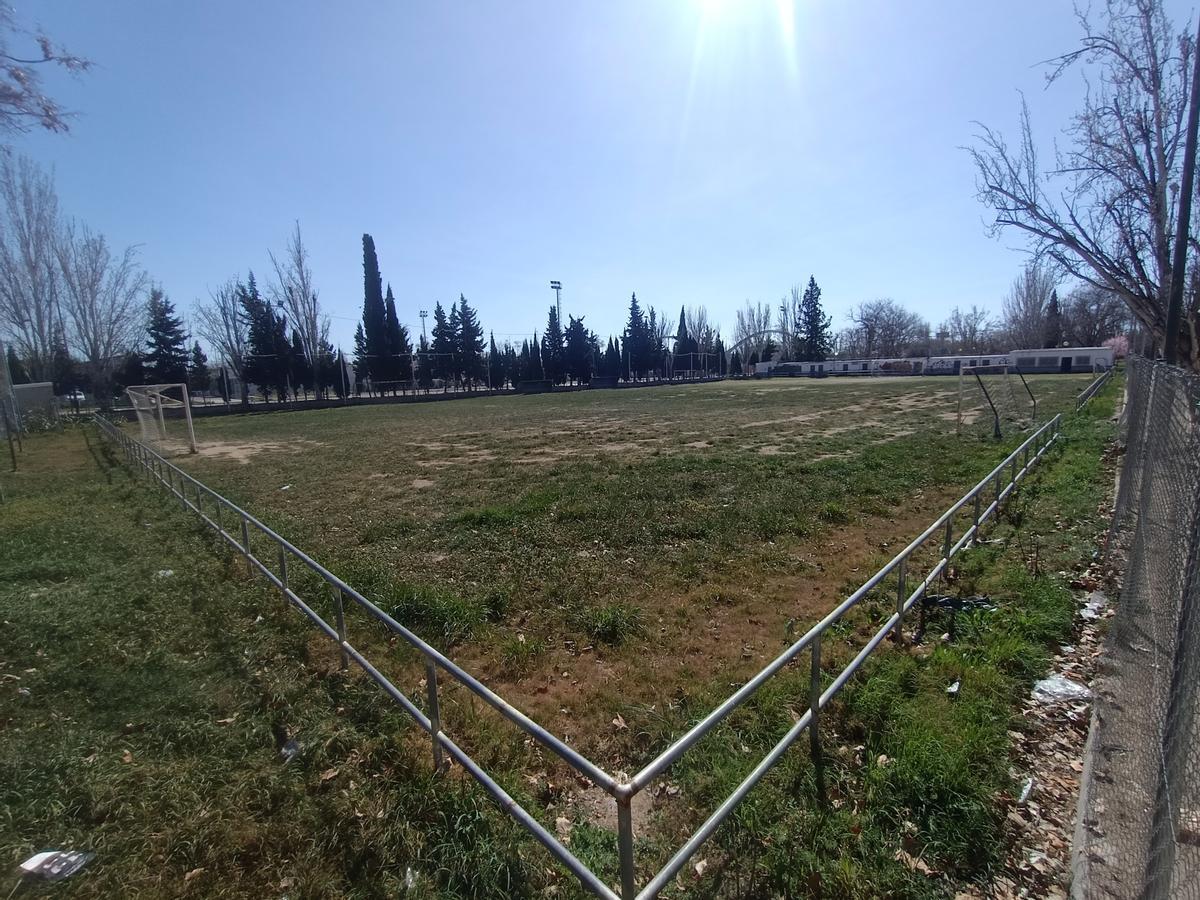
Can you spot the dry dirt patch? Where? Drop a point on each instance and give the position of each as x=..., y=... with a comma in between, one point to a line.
x=242, y=452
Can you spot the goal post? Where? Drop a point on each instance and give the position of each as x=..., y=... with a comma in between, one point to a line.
x=987, y=401
x=150, y=402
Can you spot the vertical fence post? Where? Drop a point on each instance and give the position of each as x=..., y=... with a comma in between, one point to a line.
x=435, y=714
x=625, y=847
x=283, y=571
x=948, y=539
x=814, y=725
x=901, y=592
x=245, y=543
x=978, y=514
x=341, y=626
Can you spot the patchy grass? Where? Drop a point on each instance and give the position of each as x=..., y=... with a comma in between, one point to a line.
x=156, y=705
x=611, y=518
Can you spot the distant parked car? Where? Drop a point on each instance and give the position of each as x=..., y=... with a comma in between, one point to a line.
x=76, y=396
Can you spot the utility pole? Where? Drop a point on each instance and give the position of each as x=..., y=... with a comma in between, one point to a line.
x=1179, y=263
x=557, y=287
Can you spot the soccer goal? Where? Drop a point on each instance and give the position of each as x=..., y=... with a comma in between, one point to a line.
x=171, y=433
x=989, y=401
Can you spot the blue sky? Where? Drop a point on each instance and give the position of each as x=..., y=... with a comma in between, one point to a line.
x=695, y=151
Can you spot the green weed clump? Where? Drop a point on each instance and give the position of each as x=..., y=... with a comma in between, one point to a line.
x=612, y=623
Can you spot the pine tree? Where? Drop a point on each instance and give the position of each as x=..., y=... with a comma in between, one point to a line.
x=374, y=317
x=425, y=368
x=813, y=326
x=442, y=349
x=199, y=377
x=469, y=344
x=612, y=359
x=166, y=354
x=577, y=356
x=267, y=348
x=1054, y=327
x=495, y=362
x=553, y=362
x=636, y=345
x=536, y=371
x=735, y=363
x=719, y=361
x=362, y=370
x=16, y=368
x=130, y=372
x=300, y=372
x=398, y=348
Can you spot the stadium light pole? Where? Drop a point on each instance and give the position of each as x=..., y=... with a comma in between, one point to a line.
x=556, y=286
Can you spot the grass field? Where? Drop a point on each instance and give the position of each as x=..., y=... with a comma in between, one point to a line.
x=586, y=551
x=645, y=578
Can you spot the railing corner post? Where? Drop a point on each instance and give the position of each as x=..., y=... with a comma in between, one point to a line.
x=625, y=846
x=435, y=715
x=814, y=724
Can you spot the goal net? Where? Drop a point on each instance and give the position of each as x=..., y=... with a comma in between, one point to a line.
x=991, y=403
x=164, y=416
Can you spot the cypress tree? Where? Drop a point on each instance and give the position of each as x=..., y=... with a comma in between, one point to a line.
x=1053, y=321
x=735, y=363
x=374, y=318
x=536, y=372
x=813, y=326
x=166, y=353
x=495, y=362
x=199, y=377
x=398, y=348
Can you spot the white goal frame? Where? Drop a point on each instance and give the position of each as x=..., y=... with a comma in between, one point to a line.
x=974, y=371
x=149, y=401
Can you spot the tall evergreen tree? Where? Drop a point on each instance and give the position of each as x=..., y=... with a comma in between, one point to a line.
x=553, y=362
x=166, y=344
x=398, y=348
x=199, y=376
x=495, y=364
x=469, y=344
x=1054, y=324
x=735, y=363
x=302, y=375
x=536, y=372
x=16, y=368
x=374, y=318
x=267, y=348
x=577, y=355
x=813, y=326
x=424, y=365
x=441, y=351
x=612, y=359
x=362, y=368
x=636, y=343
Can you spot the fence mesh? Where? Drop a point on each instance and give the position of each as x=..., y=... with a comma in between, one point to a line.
x=1139, y=832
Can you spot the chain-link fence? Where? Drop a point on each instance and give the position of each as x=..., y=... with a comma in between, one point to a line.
x=1139, y=830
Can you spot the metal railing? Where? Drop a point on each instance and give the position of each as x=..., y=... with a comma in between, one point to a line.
x=1092, y=389
x=954, y=530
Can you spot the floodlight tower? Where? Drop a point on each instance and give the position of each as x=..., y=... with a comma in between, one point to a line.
x=556, y=286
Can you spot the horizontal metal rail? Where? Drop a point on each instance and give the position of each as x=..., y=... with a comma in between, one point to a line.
x=1092, y=389
x=192, y=494
x=980, y=503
